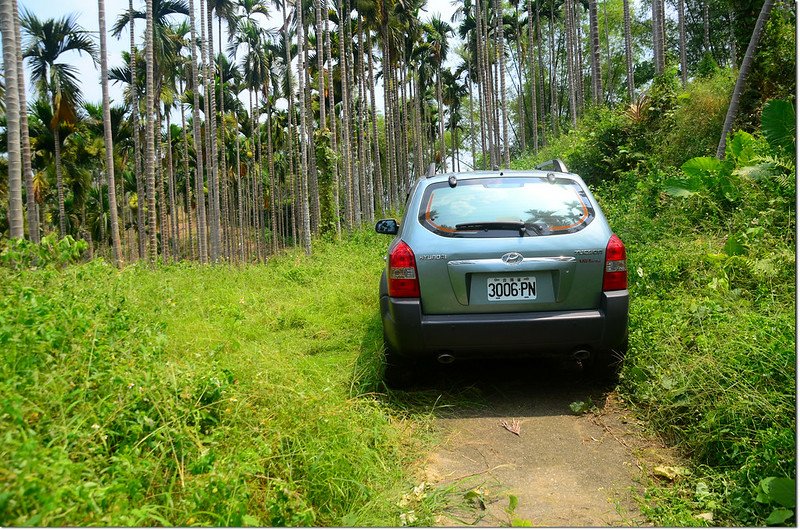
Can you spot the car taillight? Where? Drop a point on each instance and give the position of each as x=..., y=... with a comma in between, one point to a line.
x=403, y=281
x=615, y=276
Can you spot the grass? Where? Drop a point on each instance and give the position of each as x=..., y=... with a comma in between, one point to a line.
x=217, y=396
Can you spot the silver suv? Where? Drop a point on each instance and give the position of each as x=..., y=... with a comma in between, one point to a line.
x=502, y=264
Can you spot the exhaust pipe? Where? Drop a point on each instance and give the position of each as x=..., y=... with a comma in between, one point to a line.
x=581, y=355
x=445, y=358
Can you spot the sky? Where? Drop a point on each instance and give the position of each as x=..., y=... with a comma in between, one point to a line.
x=86, y=12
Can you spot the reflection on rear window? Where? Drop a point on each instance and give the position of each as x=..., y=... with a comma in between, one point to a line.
x=505, y=207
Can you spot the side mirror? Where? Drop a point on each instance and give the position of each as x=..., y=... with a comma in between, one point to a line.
x=387, y=226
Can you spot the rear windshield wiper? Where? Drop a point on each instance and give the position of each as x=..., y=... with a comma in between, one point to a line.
x=521, y=227
x=492, y=225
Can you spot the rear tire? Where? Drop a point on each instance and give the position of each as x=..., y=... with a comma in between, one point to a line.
x=398, y=371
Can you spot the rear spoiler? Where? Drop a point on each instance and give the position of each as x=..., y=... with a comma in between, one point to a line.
x=553, y=165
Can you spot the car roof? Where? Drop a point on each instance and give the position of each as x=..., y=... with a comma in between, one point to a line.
x=443, y=177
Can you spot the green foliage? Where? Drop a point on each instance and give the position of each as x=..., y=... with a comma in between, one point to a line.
x=773, y=72
x=600, y=148
x=696, y=121
x=707, y=67
x=778, y=125
x=781, y=493
x=749, y=163
x=326, y=160
x=21, y=253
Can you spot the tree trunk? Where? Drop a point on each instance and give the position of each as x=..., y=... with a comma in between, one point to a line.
x=313, y=179
x=202, y=229
x=554, y=115
x=747, y=62
x=8, y=22
x=532, y=80
x=27, y=171
x=377, y=175
x=362, y=193
x=332, y=103
x=471, y=115
x=161, y=201
x=112, y=187
x=150, y=124
x=594, y=35
x=682, y=41
x=344, y=61
x=272, y=192
x=207, y=56
x=239, y=201
x=626, y=12
x=223, y=159
x=137, y=151
x=501, y=60
x=187, y=190
x=303, y=140
x=62, y=214
x=173, y=210
x=573, y=111
x=541, y=95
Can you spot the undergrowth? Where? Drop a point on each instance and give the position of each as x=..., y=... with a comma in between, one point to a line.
x=214, y=396
x=711, y=257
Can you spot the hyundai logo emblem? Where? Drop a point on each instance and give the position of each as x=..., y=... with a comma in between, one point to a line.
x=512, y=258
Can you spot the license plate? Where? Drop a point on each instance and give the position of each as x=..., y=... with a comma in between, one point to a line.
x=511, y=288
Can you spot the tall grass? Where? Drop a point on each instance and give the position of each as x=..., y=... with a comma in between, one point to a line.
x=711, y=363
x=188, y=395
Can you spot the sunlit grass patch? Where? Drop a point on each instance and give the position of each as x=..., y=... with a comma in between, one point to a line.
x=220, y=396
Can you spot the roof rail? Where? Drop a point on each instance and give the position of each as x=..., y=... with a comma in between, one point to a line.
x=553, y=165
x=431, y=169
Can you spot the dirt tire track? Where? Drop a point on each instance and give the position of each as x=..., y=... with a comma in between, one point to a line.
x=564, y=469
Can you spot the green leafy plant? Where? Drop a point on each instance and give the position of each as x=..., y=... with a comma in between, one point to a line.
x=781, y=494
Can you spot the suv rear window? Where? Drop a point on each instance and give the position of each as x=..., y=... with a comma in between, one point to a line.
x=506, y=207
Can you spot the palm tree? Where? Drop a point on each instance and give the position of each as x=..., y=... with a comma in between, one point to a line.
x=149, y=129
x=744, y=69
x=8, y=21
x=160, y=13
x=682, y=41
x=532, y=78
x=303, y=140
x=332, y=104
x=594, y=38
x=57, y=81
x=626, y=14
x=137, y=151
x=27, y=171
x=501, y=60
x=571, y=74
x=112, y=187
x=202, y=227
x=344, y=75
x=438, y=34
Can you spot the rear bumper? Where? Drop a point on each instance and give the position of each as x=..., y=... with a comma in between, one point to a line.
x=411, y=334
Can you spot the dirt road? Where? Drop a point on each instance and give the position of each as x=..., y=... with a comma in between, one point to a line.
x=564, y=469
